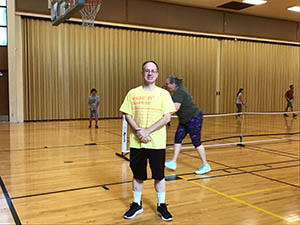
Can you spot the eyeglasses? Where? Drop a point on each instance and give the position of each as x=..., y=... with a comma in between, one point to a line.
x=150, y=71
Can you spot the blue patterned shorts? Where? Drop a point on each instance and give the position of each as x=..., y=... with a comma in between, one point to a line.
x=93, y=112
x=193, y=127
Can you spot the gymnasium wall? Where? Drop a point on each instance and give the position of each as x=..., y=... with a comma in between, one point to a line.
x=163, y=15
x=3, y=58
x=3, y=81
x=63, y=63
x=264, y=70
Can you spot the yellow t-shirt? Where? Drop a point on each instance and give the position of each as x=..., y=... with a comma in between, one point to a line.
x=146, y=108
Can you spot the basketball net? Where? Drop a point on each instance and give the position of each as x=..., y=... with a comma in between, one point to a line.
x=89, y=12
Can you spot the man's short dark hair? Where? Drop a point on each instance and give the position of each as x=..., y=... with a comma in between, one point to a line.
x=150, y=61
x=93, y=89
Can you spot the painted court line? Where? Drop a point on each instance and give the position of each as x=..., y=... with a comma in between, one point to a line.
x=253, y=172
x=239, y=201
x=262, y=176
x=10, y=203
x=275, y=152
x=258, y=191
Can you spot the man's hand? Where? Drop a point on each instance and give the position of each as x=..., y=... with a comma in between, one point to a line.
x=143, y=135
x=146, y=140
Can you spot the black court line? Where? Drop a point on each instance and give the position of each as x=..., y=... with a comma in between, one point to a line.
x=245, y=172
x=105, y=186
x=92, y=143
x=259, y=175
x=240, y=167
x=263, y=164
x=61, y=146
x=254, y=174
x=275, y=152
x=266, y=165
x=9, y=203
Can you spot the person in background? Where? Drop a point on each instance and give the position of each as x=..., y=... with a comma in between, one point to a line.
x=190, y=121
x=239, y=100
x=93, y=107
x=289, y=97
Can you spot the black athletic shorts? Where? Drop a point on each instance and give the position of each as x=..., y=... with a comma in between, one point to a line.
x=139, y=159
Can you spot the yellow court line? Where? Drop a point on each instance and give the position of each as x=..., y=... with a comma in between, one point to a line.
x=258, y=191
x=239, y=201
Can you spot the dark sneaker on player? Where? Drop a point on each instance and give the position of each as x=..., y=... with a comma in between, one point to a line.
x=163, y=212
x=90, y=126
x=286, y=115
x=134, y=210
x=294, y=115
x=96, y=126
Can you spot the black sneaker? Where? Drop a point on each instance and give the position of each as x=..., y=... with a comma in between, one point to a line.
x=294, y=115
x=134, y=210
x=163, y=212
x=286, y=115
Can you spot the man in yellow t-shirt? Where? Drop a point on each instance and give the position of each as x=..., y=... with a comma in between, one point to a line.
x=147, y=110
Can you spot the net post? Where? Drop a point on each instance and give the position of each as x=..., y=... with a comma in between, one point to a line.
x=124, y=140
x=241, y=133
x=124, y=134
x=241, y=142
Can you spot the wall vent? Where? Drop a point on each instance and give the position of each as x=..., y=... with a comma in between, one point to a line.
x=235, y=5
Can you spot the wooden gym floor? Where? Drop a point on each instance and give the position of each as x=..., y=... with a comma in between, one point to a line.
x=65, y=173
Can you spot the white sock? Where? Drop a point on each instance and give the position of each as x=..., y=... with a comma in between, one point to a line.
x=137, y=197
x=161, y=197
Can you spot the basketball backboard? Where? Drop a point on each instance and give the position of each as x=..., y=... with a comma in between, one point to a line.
x=62, y=10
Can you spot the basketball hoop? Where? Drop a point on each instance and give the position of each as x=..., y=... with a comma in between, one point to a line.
x=89, y=12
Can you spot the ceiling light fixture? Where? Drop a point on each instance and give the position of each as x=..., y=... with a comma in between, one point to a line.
x=255, y=2
x=294, y=8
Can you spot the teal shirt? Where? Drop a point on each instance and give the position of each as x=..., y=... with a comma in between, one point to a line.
x=188, y=108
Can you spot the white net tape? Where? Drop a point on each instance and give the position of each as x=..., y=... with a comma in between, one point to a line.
x=89, y=12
